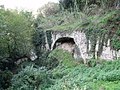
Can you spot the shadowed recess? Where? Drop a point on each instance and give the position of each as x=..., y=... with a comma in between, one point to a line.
x=63, y=40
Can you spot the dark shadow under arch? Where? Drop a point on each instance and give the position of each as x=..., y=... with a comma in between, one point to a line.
x=63, y=40
x=68, y=44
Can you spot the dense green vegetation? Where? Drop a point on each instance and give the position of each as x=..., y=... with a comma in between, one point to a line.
x=15, y=41
x=70, y=76
x=89, y=78
x=21, y=34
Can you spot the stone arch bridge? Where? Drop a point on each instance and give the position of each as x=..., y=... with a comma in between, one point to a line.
x=72, y=41
x=76, y=42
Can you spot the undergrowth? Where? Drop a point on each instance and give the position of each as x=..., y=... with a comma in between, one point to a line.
x=69, y=75
x=63, y=57
x=105, y=76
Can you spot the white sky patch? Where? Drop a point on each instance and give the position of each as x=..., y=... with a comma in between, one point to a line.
x=31, y=5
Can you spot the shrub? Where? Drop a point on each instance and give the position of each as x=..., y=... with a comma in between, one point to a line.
x=45, y=61
x=110, y=76
x=5, y=79
x=31, y=78
x=63, y=57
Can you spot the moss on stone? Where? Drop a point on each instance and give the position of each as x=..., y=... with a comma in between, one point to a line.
x=64, y=57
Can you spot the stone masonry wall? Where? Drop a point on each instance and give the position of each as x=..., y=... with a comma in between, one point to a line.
x=83, y=50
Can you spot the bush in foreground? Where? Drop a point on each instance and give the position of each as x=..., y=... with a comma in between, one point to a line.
x=31, y=78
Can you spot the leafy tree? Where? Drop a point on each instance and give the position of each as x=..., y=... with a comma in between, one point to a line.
x=32, y=78
x=82, y=4
x=15, y=42
x=48, y=9
x=15, y=34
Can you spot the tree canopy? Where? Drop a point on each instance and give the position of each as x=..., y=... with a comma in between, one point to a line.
x=15, y=34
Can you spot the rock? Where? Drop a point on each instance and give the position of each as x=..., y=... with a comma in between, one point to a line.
x=80, y=47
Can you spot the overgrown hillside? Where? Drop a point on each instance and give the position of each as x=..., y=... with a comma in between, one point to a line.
x=69, y=75
x=26, y=63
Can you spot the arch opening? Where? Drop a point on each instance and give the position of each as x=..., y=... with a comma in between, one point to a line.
x=68, y=44
x=65, y=43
